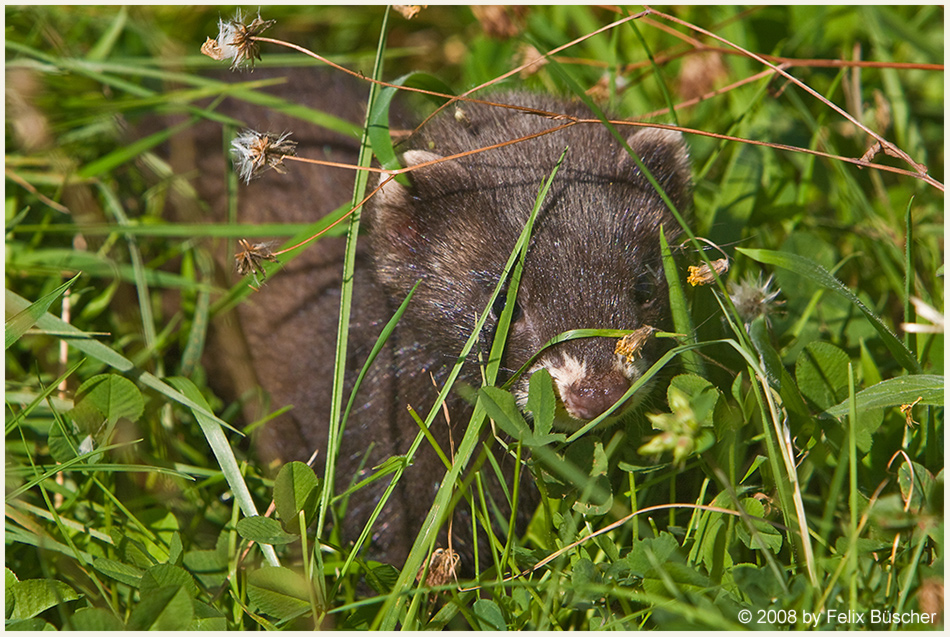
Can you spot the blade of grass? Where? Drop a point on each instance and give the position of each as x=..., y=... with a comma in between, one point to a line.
x=682, y=321
x=910, y=316
x=138, y=269
x=853, y=488
x=107, y=42
x=18, y=324
x=377, y=347
x=657, y=73
x=35, y=400
x=346, y=296
x=78, y=463
x=225, y=456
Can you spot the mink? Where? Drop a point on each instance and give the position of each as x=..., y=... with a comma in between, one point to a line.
x=593, y=261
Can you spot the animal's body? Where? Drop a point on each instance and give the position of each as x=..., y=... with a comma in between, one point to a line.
x=593, y=262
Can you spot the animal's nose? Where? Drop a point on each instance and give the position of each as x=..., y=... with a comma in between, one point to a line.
x=587, y=398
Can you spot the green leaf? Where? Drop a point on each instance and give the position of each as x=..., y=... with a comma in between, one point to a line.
x=162, y=575
x=264, y=531
x=758, y=332
x=759, y=584
x=279, y=592
x=541, y=401
x=916, y=484
x=816, y=273
x=647, y=553
x=175, y=549
x=209, y=567
x=88, y=344
x=296, y=489
x=489, y=615
x=583, y=575
x=35, y=624
x=382, y=578
x=682, y=319
x=757, y=462
x=95, y=619
x=62, y=447
x=500, y=407
x=107, y=397
x=712, y=547
x=23, y=320
x=765, y=532
x=10, y=580
x=166, y=608
x=378, y=120
x=210, y=424
x=125, y=573
x=822, y=374
x=208, y=618
x=588, y=456
x=894, y=392
x=33, y=596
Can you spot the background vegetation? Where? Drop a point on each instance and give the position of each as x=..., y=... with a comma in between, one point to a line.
x=129, y=504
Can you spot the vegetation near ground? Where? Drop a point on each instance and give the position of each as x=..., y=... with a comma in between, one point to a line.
x=788, y=475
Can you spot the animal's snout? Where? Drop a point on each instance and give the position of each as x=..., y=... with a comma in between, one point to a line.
x=590, y=396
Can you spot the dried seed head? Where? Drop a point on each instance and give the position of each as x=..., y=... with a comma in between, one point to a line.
x=752, y=298
x=765, y=500
x=408, y=11
x=700, y=73
x=462, y=117
x=250, y=260
x=601, y=90
x=530, y=56
x=630, y=345
x=255, y=152
x=499, y=21
x=908, y=411
x=212, y=49
x=702, y=275
x=236, y=42
x=442, y=566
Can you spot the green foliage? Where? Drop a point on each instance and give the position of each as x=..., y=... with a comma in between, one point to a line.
x=296, y=491
x=25, y=319
x=793, y=465
x=279, y=592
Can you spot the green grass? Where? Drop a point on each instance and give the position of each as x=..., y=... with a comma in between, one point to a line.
x=779, y=475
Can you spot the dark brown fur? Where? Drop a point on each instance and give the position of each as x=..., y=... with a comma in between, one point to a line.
x=593, y=262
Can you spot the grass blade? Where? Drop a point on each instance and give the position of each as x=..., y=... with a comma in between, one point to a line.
x=23, y=320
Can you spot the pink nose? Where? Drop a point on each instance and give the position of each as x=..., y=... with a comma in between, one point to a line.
x=588, y=398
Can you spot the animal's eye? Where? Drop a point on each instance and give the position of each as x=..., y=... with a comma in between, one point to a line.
x=644, y=290
x=499, y=306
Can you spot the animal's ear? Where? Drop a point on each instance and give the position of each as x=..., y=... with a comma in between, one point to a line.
x=393, y=198
x=398, y=213
x=665, y=154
